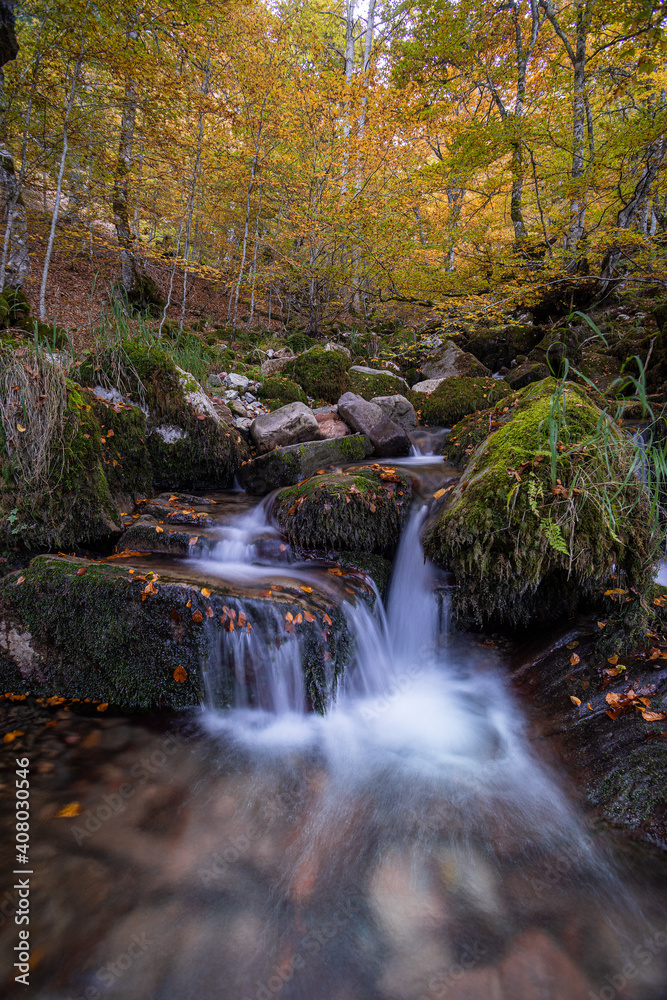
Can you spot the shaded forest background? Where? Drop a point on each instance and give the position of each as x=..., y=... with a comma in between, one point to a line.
x=298, y=164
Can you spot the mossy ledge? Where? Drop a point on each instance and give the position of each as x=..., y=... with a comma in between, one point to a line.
x=81, y=629
x=362, y=510
x=458, y=396
x=524, y=547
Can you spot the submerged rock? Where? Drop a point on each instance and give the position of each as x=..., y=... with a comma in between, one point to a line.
x=360, y=510
x=287, y=425
x=98, y=631
x=525, y=543
x=289, y=465
x=388, y=439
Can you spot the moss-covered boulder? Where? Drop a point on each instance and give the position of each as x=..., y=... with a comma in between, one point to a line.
x=456, y=397
x=370, y=382
x=361, y=510
x=277, y=391
x=67, y=459
x=321, y=373
x=498, y=346
x=526, y=373
x=530, y=530
x=119, y=633
x=189, y=446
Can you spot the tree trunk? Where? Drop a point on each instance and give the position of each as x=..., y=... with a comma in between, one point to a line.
x=15, y=266
x=121, y=215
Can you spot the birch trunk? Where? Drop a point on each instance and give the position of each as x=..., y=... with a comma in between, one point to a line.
x=121, y=216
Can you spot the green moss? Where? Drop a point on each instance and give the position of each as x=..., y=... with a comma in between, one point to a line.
x=368, y=386
x=280, y=391
x=456, y=397
x=299, y=342
x=127, y=464
x=362, y=510
x=197, y=453
x=322, y=374
x=522, y=546
x=19, y=307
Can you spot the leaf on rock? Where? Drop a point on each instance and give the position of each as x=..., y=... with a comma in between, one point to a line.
x=197, y=616
x=71, y=809
x=575, y=701
x=180, y=675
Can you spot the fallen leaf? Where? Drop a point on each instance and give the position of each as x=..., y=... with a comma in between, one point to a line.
x=572, y=645
x=10, y=737
x=209, y=612
x=309, y=618
x=197, y=616
x=180, y=675
x=21, y=429
x=71, y=809
x=574, y=659
x=20, y=580
x=653, y=716
x=82, y=571
x=575, y=701
x=193, y=540
x=602, y=624
x=205, y=592
x=298, y=619
x=613, y=659
x=589, y=706
x=307, y=590
x=326, y=618
x=159, y=529
x=102, y=707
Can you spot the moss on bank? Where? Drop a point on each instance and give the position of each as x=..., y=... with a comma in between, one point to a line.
x=367, y=384
x=278, y=391
x=524, y=545
x=322, y=374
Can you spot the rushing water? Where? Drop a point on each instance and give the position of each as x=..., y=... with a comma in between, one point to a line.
x=409, y=845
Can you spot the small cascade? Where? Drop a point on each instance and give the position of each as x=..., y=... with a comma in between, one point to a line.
x=427, y=443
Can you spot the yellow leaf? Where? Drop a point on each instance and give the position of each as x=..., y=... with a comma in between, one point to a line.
x=10, y=737
x=103, y=707
x=307, y=590
x=71, y=809
x=21, y=429
x=575, y=701
x=159, y=529
x=205, y=592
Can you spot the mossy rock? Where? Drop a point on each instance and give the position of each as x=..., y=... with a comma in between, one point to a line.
x=322, y=374
x=362, y=510
x=456, y=397
x=375, y=383
x=81, y=629
x=525, y=545
x=189, y=447
x=289, y=465
x=280, y=391
x=299, y=342
x=497, y=346
x=4, y=313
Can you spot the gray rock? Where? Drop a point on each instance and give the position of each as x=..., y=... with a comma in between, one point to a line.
x=288, y=466
x=236, y=381
x=331, y=346
x=332, y=425
x=450, y=360
x=270, y=352
x=274, y=365
x=388, y=439
x=238, y=408
x=214, y=381
x=249, y=398
x=291, y=424
x=429, y=386
x=399, y=409
x=284, y=352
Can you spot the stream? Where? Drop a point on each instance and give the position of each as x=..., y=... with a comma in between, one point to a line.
x=411, y=844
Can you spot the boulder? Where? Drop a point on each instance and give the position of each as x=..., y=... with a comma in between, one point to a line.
x=272, y=366
x=88, y=630
x=456, y=397
x=359, y=510
x=427, y=386
x=332, y=425
x=528, y=540
x=450, y=360
x=290, y=424
x=525, y=374
x=277, y=391
x=321, y=373
x=369, y=382
x=189, y=446
x=286, y=466
x=399, y=409
x=332, y=346
x=236, y=381
x=388, y=439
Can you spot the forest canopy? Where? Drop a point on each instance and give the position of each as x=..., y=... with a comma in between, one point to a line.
x=324, y=158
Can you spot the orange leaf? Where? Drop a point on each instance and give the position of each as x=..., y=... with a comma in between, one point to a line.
x=298, y=619
x=103, y=706
x=159, y=529
x=309, y=618
x=197, y=616
x=180, y=674
x=653, y=716
x=589, y=706
x=209, y=612
x=613, y=659
x=307, y=590
x=575, y=701
x=289, y=616
x=574, y=659
x=71, y=809
x=10, y=737
x=82, y=571
x=205, y=592
x=20, y=580
x=193, y=540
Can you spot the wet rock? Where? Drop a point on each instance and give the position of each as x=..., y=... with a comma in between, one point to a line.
x=148, y=535
x=139, y=639
x=399, y=409
x=361, y=510
x=289, y=465
x=388, y=439
x=450, y=360
x=291, y=424
x=369, y=382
